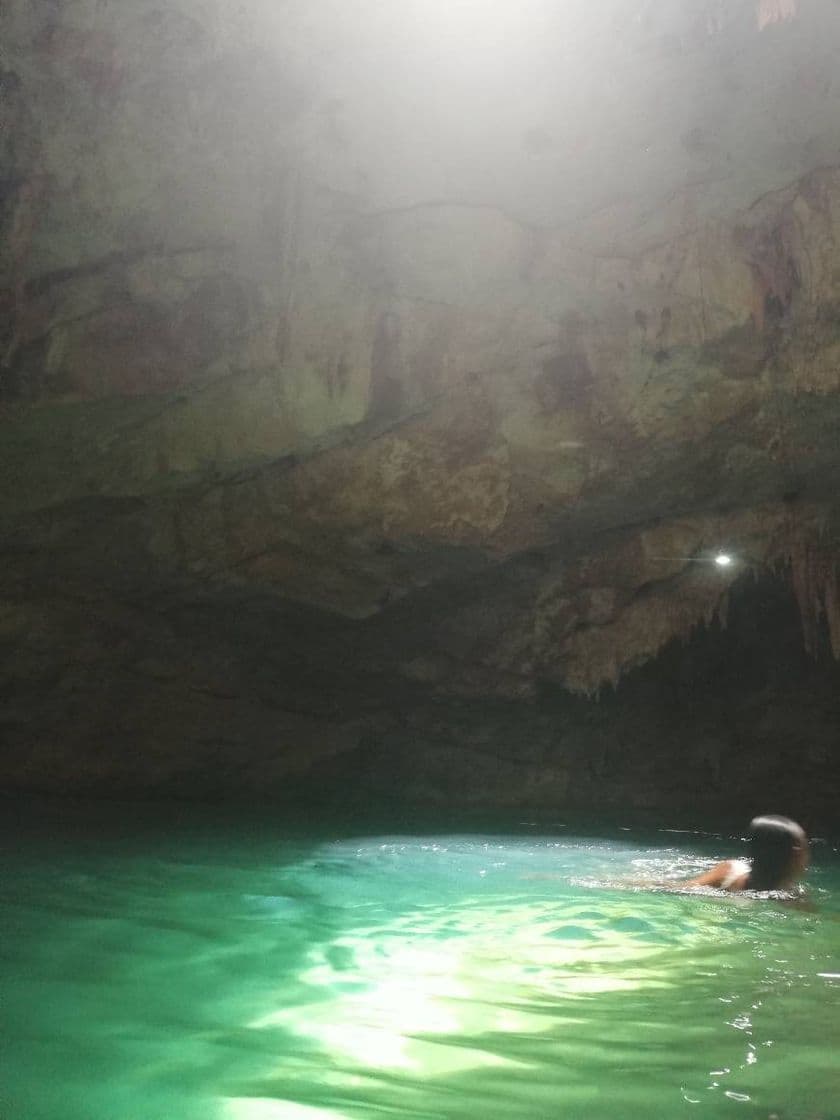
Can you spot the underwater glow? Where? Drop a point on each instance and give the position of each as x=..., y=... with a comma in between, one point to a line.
x=233, y=976
x=393, y=996
x=723, y=559
x=509, y=967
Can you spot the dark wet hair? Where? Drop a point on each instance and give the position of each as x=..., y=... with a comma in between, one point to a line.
x=772, y=843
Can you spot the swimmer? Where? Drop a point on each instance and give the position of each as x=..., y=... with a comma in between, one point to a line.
x=779, y=857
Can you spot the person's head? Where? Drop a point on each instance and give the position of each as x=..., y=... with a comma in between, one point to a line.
x=779, y=850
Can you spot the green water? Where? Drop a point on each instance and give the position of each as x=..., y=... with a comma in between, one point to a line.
x=166, y=967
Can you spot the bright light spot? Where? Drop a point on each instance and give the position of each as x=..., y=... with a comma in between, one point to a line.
x=403, y=990
x=723, y=559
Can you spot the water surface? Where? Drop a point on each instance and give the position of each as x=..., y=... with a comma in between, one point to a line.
x=222, y=967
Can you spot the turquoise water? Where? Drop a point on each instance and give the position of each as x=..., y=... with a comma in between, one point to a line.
x=165, y=967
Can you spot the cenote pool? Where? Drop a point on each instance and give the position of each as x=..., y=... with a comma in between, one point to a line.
x=184, y=965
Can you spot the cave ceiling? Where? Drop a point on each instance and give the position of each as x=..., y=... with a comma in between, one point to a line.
x=440, y=344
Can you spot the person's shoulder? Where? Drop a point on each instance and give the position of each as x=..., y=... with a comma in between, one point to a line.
x=742, y=866
x=737, y=874
x=710, y=878
x=729, y=874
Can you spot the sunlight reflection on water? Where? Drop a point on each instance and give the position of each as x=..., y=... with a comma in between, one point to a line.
x=438, y=991
x=250, y=977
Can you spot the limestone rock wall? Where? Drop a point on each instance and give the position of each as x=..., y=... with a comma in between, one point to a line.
x=361, y=358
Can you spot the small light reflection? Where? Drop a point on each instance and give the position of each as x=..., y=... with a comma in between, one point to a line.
x=723, y=559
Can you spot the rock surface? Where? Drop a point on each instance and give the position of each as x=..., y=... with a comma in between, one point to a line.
x=378, y=382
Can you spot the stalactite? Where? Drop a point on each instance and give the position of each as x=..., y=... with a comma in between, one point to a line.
x=777, y=542
x=722, y=613
x=774, y=11
x=832, y=613
x=598, y=657
x=762, y=542
x=816, y=585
